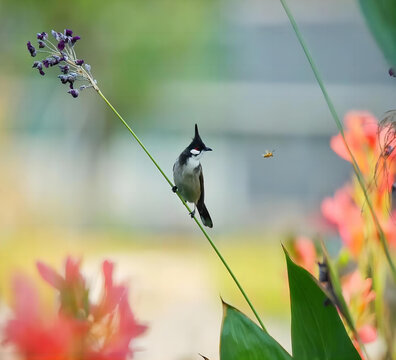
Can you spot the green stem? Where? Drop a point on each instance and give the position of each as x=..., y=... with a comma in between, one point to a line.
x=334, y=114
x=189, y=210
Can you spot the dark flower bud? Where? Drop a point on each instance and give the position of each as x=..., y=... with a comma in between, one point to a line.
x=73, y=92
x=42, y=36
x=41, y=72
x=47, y=62
x=68, y=32
x=41, y=44
x=31, y=49
x=64, y=68
x=63, y=79
x=37, y=64
x=61, y=45
x=79, y=62
x=55, y=60
x=74, y=39
x=392, y=72
x=55, y=35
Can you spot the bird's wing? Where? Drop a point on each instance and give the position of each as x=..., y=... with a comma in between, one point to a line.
x=201, y=182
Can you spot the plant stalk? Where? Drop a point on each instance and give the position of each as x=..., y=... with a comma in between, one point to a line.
x=189, y=210
x=337, y=120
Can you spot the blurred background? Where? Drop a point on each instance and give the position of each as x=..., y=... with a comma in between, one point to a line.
x=73, y=181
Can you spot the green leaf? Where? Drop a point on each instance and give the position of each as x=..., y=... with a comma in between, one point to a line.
x=317, y=330
x=381, y=19
x=242, y=339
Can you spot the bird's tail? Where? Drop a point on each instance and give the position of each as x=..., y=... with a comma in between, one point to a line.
x=204, y=213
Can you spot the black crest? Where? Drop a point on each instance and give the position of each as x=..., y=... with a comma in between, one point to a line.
x=197, y=142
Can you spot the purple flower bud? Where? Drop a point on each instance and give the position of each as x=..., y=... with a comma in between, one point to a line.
x=47, y=62
x=68, y=32
x=64, y=68
x=79, y=62
x=61, y=45
x=74, y=39
x=63, y=79
x=31, y=49
x=392, y=72
x=42, y=36
x=41, y=44
x=55, y=35
x=73, y=92
x=41, y=72
x=37, y=64
x=55, y=60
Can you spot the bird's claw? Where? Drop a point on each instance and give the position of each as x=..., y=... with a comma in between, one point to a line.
x=192, y=213
x=174, y=188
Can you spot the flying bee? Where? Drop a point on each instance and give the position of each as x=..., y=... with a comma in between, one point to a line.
x=268, y=154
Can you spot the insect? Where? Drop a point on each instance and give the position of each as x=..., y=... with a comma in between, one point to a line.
x=268, y=154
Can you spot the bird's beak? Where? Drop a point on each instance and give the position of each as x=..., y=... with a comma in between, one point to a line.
x=208, y=149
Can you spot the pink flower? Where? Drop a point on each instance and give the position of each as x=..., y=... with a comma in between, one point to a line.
x=361, y=134
x=358, y=295
x=305, y=253
x=343, y=212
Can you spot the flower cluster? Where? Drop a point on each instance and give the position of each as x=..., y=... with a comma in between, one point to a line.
x=80, y=329
x=62, y=53
x=373, y=145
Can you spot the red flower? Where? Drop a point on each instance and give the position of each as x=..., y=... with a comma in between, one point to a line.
x=80, y=330
x=37, y=334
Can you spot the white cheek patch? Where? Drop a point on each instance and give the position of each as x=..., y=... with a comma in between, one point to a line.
x=194, y=152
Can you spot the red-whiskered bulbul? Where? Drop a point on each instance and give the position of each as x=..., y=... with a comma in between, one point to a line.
x=188, y=177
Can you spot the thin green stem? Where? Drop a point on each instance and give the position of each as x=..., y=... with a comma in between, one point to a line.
x=189, y=210
x=337, y=120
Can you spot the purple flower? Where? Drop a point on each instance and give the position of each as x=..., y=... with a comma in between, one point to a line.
x=392, y=72
x=64, y=56
x=37, y=65
x=31, y=49
x=61, y=45
x=64, y=68
x=47, y=62
x=42, y=36
x=74, y=39
x=73, y=92
x=63, y=79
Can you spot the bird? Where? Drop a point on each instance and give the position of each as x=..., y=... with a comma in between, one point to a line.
x=188, y=177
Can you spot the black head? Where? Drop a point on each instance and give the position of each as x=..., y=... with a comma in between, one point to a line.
x=197, y=146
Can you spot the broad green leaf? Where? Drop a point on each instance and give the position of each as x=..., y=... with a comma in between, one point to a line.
x=242, y=339
x=381, y=19
x=317, y=330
